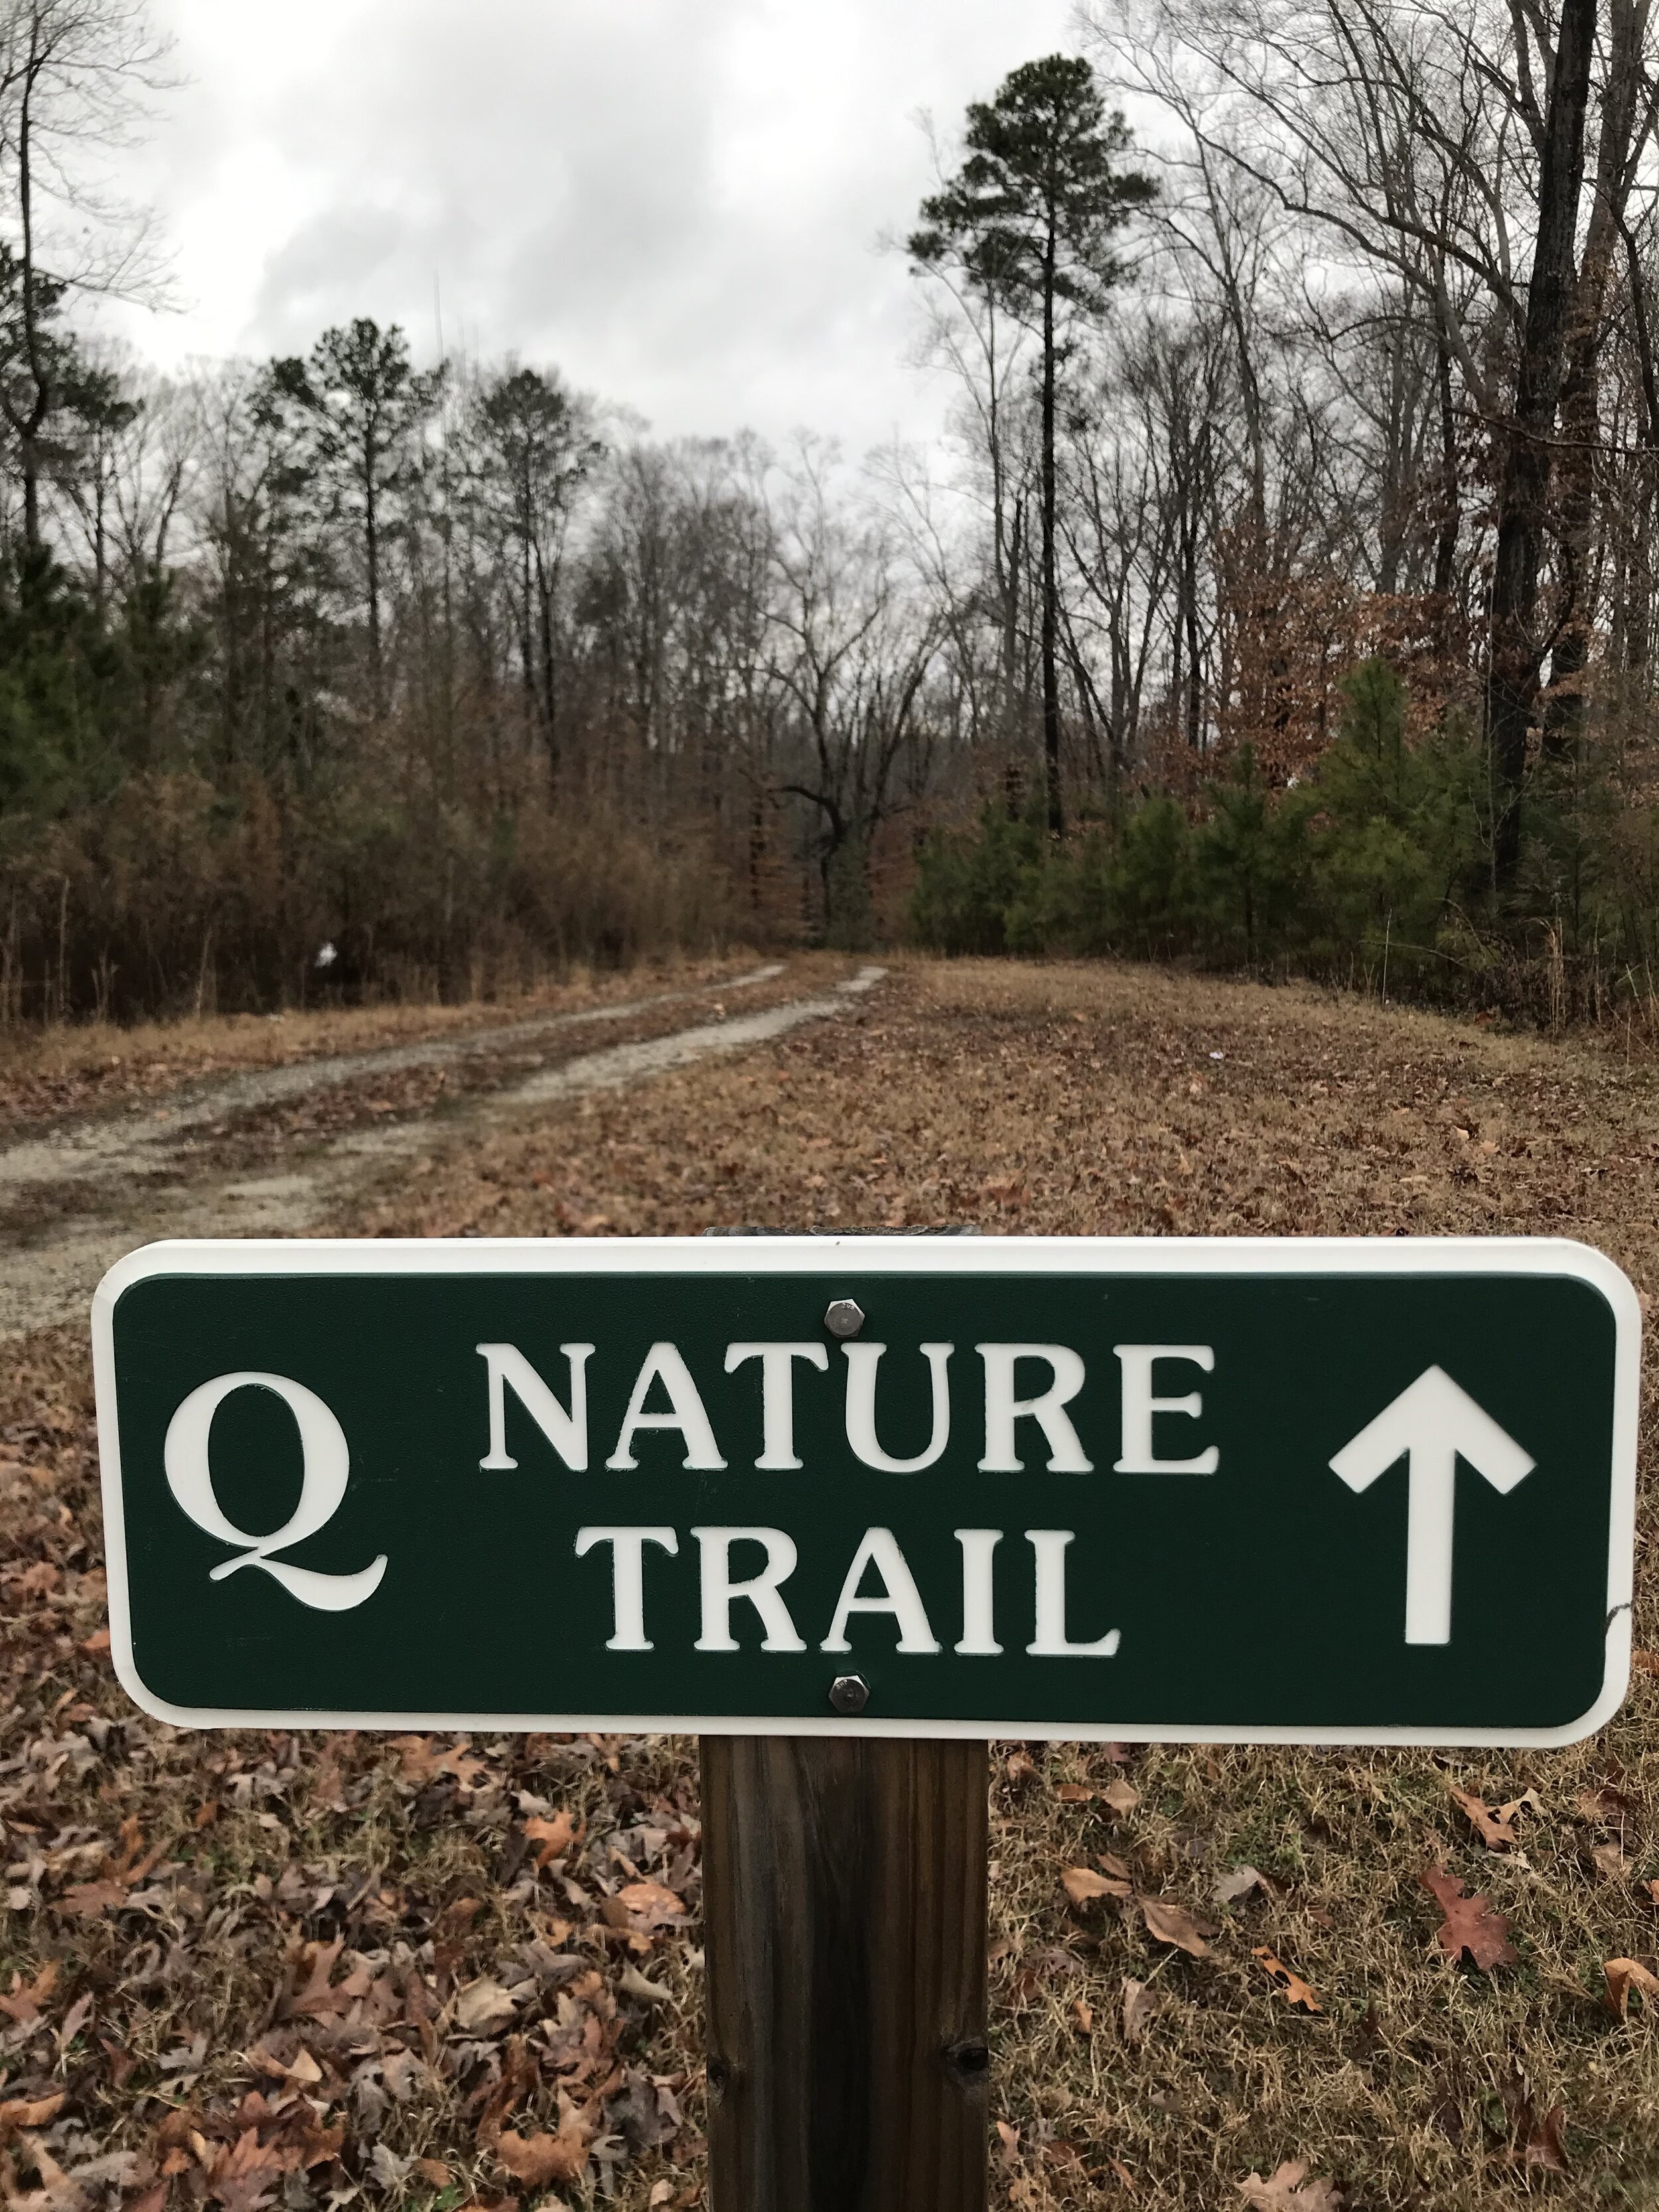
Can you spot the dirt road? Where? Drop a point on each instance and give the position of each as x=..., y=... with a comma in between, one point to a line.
x=76, y=1196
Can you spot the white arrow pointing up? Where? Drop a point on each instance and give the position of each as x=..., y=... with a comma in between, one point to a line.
x=1433, y=1424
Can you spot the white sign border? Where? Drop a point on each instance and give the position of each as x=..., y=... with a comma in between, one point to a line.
x=888, y=1255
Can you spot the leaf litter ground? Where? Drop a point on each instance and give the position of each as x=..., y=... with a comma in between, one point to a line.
x=295, y=1970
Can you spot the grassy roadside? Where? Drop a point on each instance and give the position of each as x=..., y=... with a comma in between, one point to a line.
x=463, y=1954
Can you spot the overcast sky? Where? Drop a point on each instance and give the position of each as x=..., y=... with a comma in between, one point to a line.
x=678, y=202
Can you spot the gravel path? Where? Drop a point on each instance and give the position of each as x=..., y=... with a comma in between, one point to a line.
x=48, y=1272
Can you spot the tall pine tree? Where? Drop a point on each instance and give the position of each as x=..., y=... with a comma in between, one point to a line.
x=364, y=403
x=1029, y=219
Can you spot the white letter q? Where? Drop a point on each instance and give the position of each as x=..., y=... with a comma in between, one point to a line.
x=327, y=1462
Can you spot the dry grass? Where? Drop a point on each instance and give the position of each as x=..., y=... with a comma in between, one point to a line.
x=1041, y=1099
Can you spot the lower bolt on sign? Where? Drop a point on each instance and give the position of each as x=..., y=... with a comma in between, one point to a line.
x=1279, y=1490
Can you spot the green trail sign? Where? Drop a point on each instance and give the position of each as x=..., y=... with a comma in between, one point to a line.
x=1291, y=1490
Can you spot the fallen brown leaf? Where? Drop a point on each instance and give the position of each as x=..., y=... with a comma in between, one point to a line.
x=133, y=1862
x=1493, y=1824
x=1609, y=1862
x=1173, y=1923
x=1122, y=1796
x=555, y=1837
x=1290, y=1987
x=25, y=1998
x=319, y=2146
x=1238, y=1882
x=1625, y=1978
x=1139, y=2004
x=74, y=2021
x=421, y=1763
x=1082, y=1885
x=464, y=1764
x=1470, y=1924
x=652, y=1905
x=450, y=1930
x=482, y=2007
x=88, y=1900
x=414, y=1753
x=243, y=2177
x=30, y=2112
x=318, y=1998
x=1607, y=1804
x=327, y=1784
x=83, y=2185
x=635, y=1984
x=1536, y=2140
x=1288, y=2188
x=539, y=2160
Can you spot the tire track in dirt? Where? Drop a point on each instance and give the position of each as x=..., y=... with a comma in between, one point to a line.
x=48, y=1275
x=115, y=1144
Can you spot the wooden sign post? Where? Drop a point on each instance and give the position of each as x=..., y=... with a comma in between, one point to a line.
x=844, y=1508
x=844, y=1910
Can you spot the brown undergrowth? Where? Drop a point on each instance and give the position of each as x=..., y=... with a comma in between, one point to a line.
x=268, y=1970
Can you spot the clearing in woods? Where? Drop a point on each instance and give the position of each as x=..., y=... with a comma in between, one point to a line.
x=272, y=1969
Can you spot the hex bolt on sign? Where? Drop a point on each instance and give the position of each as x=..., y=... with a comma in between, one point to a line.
x=844, y=1318
x=849, y=1694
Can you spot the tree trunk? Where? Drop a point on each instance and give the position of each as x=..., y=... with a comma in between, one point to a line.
x=1516, y=650
x=1016, y=695
x=372, y=545
x=526, y=634
x=1194, y=705
x=34, y=422
x=1050, y=584
x=1581, y=391
x=1451, y=516
x=546, y=587
x=1395, y=505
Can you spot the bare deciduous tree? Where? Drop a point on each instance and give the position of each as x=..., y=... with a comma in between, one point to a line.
x=74, y=77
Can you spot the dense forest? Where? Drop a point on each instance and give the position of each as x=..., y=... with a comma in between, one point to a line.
x=1285, y=592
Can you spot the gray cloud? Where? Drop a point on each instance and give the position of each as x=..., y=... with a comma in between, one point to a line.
x=676, y=200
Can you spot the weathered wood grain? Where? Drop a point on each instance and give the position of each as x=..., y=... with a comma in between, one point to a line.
x=844, y=1885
